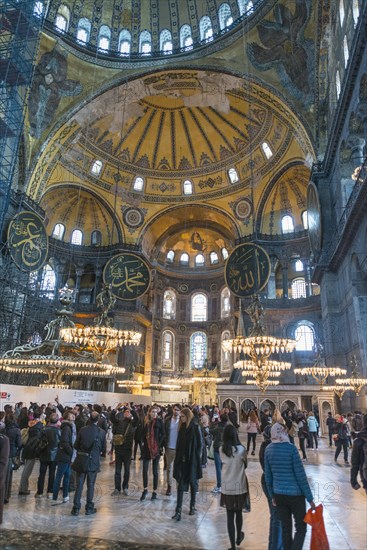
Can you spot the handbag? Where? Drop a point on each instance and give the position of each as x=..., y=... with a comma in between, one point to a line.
x=81, y=462
x=119, y=439
x=211, y=451
x=319, y=540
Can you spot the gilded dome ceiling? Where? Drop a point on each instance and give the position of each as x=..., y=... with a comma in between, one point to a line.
x=77, y=209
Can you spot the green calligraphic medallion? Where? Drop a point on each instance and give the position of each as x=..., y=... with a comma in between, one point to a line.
x=247, y=270
x=28, y=241
x=129, y=276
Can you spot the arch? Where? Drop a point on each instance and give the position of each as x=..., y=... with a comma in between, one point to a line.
x=83, y=30
x=298, y=265
x=48, y=281
x=165, y=42
x=58, y=231
x=225, y=303
x=224, y=253
x=287, y=224
x=170, y=256
x=305, y=336
x=289, y=404
x=267, y=150
x=214, y=258
x=199, y=260
x=187, y=187
x=138, y=184
x=96, y=238
x=124, y=42
x=225, y=354
x=198, y=349
x=248, y=405
x=184, y=259
x=267, y=404
x=199, y=307
x=145, y=42
x=225, y=16
x=298, y=288
x=38, y=9
x=233, y=175
x=186, y=41
x=168, y=346
x=77, y=237
x=62, y=18
x=96, y=167
x=229, y=403
x=206, y=29
x=104, y=38
x=169, y=304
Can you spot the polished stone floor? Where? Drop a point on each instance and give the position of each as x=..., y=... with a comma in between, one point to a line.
x=127, y=523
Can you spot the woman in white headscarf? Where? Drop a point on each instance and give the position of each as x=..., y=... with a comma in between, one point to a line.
x=287, y=485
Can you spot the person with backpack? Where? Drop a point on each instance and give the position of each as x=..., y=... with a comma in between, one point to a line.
x=30, y=452
x=51, y=436
x=302, y=434
x=359, y=458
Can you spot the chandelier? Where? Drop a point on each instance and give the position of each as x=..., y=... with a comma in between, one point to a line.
x=130, y=382
x=159, y=385
x=259, y=348
x=354, y=382
x=319, y=371
x=338, y=390
x=53, y=358
x=101, y=338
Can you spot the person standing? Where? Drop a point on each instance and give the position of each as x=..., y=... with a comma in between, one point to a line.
x=287, y=486
x=171, y=425
x=12, y=431
x=330, y=423
x=153, y=438
x=92, y=440
x=235, y=489
x=4, y=459
x=341, y=434
x=359, y=458
x=48, y=456
x=302, y=434
x=124, y=423
x=216, y=431
x=187, y=468
x=253, y=427
x=29, y=454
x=64, y=456
x=312, y=425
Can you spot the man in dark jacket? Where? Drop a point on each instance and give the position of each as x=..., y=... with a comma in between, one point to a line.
x=124, y=423
x=359, y=458
x=330, y=422
x=34, y=434
x=12, y=431
x=4, y=457
x=48, y=456
x=92, y=440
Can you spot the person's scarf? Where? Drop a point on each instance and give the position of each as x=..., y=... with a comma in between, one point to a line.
x=279, y=434
x=151, y=440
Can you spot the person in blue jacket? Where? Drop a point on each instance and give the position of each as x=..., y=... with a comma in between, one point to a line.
x=313, y=426
x=287, y=485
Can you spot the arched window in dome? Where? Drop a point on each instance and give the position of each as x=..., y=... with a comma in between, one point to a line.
x=38, y=9
x=346, y=51
x=298, y=266
x=145, y=43
x=198, y=350
x=96, y=167
x=83, y=30
x=187, y=187
x=48, y=281
x=226, y=356
x=287, y=224
x=184, y=260
x=77, y=237
x=245, y=6
x=233, y=176
x=58, y=231
x=267, y=150
x=225, y=16
x=169, y=305
x=62, y=18
x=305, y=336
x=104, y=38
x=138, y=184
x=305, y=219
x=206, y=29
x=298, y=288
x=186, y=37
x=355, y=9
x=165, y=42
x=199, y=307
x=337, y=84
x=224, y=253
x=96, y=238
x=214, y=258
x=170, y=256
x=225, y=303
x=124, y=42
x=341, y=11
x=199, y=260
x=167, y=349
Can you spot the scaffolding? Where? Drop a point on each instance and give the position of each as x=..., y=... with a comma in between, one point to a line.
x=20, y=31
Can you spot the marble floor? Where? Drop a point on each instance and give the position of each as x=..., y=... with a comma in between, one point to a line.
x=127, y=523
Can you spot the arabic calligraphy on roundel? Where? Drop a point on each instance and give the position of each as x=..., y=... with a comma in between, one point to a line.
x=32, y=245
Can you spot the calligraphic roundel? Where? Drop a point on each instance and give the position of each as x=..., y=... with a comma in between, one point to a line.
x=129, y=276
x=247, y=270
x=28, y=241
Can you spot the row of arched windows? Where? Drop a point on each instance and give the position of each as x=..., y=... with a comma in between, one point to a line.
x=304, y=335
x=199, y=305
x=77, y=236
x=288, y=223
x=84, y=28
x=199, y=258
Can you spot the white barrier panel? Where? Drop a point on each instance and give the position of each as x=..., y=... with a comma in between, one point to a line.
x=9, y=395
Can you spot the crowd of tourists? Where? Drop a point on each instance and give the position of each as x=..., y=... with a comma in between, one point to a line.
x=69, y=442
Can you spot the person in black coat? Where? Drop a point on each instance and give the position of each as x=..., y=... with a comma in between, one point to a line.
x=64, y=458
x=48, y=456
x=4, y=458
x=12, y=431
x=153, y=438
x=187, y=466
x=34, y=434
x=124, y=423
x=92, y=440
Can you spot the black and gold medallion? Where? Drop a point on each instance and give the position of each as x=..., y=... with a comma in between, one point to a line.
x=129, y=276
x=247, y=270
x=28, y=241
